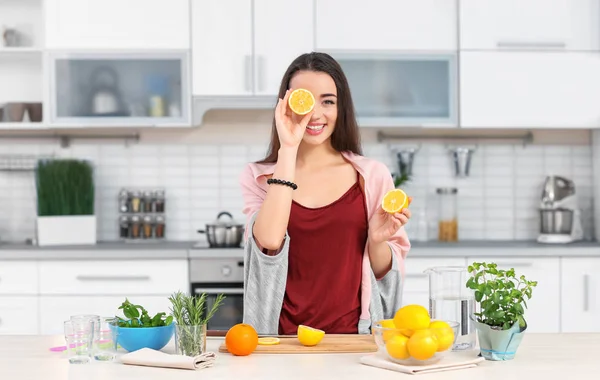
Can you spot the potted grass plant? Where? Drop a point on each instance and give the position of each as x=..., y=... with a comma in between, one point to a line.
x=65, y=202
x=501, y=299
x=191, y=317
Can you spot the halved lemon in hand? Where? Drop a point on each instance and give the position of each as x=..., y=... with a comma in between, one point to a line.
x=301, y=101
x=394, y=201
x=268, y=341
x=309, y=336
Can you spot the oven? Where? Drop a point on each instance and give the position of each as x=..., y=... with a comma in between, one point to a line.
x=219, y=275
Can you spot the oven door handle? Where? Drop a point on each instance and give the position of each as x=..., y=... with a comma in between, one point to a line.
x=219, y=290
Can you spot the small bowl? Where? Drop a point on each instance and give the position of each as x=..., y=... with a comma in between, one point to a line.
x=385, y=335
x=136, y=338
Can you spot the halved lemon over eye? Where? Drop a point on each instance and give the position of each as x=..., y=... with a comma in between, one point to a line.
x=268, y=341
x=301, y=101
x=394, y=201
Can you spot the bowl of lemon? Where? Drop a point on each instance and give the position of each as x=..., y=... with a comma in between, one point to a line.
x=413, y=338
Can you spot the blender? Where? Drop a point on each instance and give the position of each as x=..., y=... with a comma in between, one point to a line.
x=451, y=300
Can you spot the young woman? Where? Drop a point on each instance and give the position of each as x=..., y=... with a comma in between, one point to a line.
x=319, y=249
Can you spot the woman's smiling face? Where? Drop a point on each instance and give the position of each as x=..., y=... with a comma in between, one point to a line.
x=322, y=122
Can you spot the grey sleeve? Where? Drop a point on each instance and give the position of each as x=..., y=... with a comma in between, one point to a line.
x=390, y=290
x=264, y=284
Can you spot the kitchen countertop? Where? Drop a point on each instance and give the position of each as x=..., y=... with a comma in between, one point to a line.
x=189, y=250
x=545, y=356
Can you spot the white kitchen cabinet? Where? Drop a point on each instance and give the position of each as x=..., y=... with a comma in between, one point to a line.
x=543, y=310
x=530, y=24
x=222, y=47
x=243, y=47
x=119, y=89
x=106, y=277
x=529, y=90
x=116, y=24
x=18, y=278
x=283, y=30
x=54, y=310
x=18, y=315
x=416, y=282
x=580, y=294
x=386, y=25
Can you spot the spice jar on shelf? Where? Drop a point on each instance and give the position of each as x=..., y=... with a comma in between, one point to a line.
x=447, y=214
x=123, y=201
x=147, y=227
x=159, y=227
x=148, y=201
x=124, y=227
x=136, y=201
x=136, y=227
x=159, y=201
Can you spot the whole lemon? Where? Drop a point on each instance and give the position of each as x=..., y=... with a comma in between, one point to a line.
x=397, y=348
x=388, y=324
x=410, y=318
x=422, y=345
x=444, y=334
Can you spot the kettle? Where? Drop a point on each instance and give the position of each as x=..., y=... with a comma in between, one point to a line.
x=105, y=95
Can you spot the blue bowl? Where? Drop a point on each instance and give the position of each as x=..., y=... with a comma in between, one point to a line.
x=136, y=338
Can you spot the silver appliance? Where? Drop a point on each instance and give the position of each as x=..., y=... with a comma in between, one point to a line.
x=215, y=271
x=560, y=216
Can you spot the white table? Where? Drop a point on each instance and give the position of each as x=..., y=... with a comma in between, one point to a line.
x=545, y=356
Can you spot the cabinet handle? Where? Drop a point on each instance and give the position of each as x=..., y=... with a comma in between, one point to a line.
x=113, y=278
x=248, y=73
x=415, y=275
x=586, y=292
x=261, y=73
x=532, y=44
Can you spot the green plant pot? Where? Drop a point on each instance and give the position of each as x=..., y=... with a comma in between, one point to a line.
x=498, y=345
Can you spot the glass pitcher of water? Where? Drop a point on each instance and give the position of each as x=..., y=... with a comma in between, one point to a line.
x=451, y=300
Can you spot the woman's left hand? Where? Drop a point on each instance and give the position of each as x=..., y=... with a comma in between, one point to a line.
x=384, y=225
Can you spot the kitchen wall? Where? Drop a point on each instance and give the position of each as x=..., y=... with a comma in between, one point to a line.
x=199, y=169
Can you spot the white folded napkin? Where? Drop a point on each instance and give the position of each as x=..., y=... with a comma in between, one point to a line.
x=152, y=358
x=448, y=363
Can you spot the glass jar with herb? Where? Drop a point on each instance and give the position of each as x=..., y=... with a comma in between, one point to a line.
x=159, y=201
x=124, y=227
x=159, y=227
x=148, y=201
x=136, y=201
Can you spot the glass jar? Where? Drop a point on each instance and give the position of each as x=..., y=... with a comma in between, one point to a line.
x=447, y=214
x=124, y=227
x=148, y=226
x=159, y=227
x=159, y=201
x=136, y=227
x=136, y=201
x=147, y=201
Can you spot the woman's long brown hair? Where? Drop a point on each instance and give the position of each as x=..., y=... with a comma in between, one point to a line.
x=345, y=136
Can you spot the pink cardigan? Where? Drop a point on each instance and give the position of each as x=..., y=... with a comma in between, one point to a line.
x=378, y=181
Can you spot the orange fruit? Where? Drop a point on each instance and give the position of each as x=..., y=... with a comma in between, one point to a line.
x=241, y=339
x=301, y=101
x=422, y=345
x=394, y=201
x=411, y=318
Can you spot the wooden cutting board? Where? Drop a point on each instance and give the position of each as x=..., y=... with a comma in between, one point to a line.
x=331, y=343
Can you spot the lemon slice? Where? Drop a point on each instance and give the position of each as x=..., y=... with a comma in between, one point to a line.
x=301, y=101
x=268, y=341
x=309, y=336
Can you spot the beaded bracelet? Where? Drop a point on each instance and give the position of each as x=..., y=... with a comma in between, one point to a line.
x=282, y=182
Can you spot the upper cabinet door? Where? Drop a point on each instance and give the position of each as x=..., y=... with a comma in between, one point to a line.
x=117, y=24
x=530, y=90
x=282, y=31
x=385, y=25
x=529, y=24
x=222, y=47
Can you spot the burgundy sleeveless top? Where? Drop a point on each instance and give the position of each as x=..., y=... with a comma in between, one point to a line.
x=325, y=265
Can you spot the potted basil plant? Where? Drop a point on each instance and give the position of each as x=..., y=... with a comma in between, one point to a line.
x=501, y=298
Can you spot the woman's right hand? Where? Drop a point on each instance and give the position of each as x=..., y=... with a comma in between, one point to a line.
x=290, y=128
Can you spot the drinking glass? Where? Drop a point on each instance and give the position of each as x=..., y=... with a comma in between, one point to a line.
x=96, y=328
x=79, y=335
x=105, y=347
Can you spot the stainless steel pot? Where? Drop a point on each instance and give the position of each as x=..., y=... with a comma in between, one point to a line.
x=224, y=234
x=556, y=221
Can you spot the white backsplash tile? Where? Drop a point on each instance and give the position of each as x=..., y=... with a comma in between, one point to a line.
x=497, y=201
